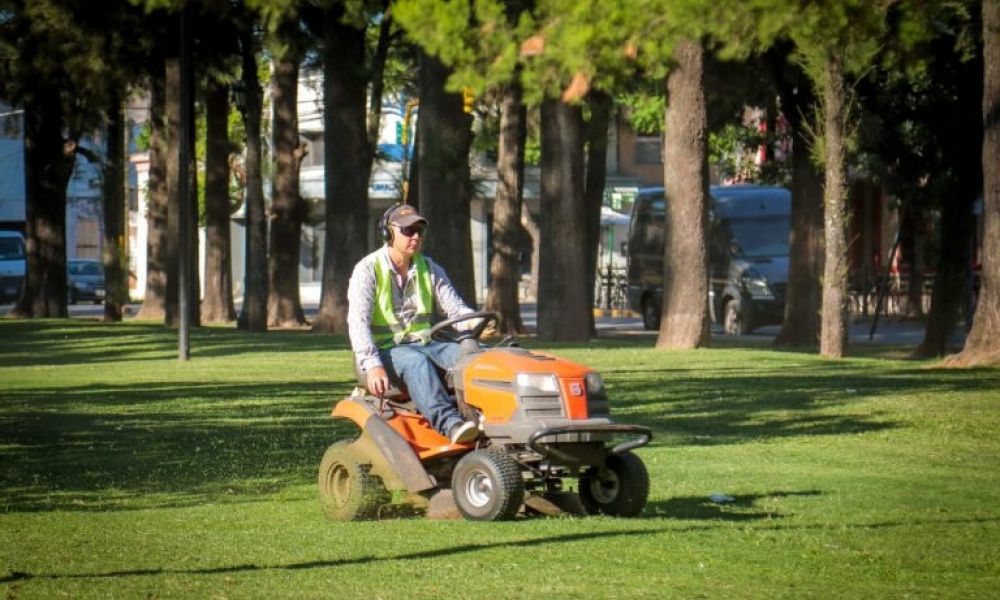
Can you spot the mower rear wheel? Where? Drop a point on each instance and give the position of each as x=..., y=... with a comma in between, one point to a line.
x=618, y=489
x=487, y=486
x=347, y=489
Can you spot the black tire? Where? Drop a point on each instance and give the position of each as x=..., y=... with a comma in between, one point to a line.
x=487, y=486
x=733, y=318
x=618, y=489
x=650, y=314
x=347, y=489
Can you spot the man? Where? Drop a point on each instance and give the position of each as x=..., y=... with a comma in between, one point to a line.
x=392, y=296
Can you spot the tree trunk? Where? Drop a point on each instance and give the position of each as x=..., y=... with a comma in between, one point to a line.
x=253, y=316
x=833, y=337
x=379, y=59
x=911, y=247
x=445, y=182
x=347, y=151
x=154, y=302
x=48, y=164
x=685, y=319
x=801, y=326
x=505, y=276
x=217, y=307
x=593, y=193
x=530, y=224
x=982, y=346
x=172, y=101
x=114, y=246
x=564, y=311
x=288, y=209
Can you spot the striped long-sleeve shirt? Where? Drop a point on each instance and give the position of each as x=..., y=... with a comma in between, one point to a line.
x=361, y=302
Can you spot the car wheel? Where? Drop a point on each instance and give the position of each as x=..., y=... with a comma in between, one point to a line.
x=487, y=486
x=734, y=322
x=347, y=489
x=650, y=314
x=619, y=488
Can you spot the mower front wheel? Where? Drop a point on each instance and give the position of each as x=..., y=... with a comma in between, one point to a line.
x=618, y=489
x=347, y=489
x=487, y=486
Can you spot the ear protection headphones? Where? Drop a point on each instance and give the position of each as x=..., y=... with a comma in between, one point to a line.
x=384, y=229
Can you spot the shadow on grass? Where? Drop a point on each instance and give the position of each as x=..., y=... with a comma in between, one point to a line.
x=70, y=341
x=734, y=508
x=323, y=564
x=20, y=576
x=161, y=444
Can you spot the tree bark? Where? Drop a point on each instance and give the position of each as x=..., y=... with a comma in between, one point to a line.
x=801, y=326
x=685, y=318
x=154, y=301
x=114, y=246
x=347, y=151
x=530, y=224
x=833, y=337
x=505, y=276
x=288, y=209
x=253, y=316
x=48, y=163
x=982, y=346
x=217, y=306
x=911, y=246
x=445, y=182
x=564, y=311
x=593, y=193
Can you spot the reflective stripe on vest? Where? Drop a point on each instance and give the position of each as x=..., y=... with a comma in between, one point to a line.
x=386, y=328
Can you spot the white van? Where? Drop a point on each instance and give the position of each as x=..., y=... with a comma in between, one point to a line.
x=11, y=266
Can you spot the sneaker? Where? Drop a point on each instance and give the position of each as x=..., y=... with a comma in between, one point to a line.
x=463, y=433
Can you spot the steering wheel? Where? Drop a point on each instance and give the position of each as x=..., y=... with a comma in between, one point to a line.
x=441, y=331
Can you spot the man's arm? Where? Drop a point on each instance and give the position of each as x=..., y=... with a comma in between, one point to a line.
x=360, y=307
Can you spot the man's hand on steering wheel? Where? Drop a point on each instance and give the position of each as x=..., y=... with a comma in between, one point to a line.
x=443, y=332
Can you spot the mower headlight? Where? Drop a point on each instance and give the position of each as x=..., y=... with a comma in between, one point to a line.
x=535, y=384
x=595, y=384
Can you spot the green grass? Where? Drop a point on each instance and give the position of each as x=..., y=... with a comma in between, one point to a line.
x=124, y=473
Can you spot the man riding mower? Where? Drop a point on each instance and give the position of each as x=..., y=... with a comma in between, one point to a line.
x=543, y=420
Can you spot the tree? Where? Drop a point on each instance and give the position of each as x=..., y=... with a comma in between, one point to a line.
x=685, y=319
x=801, y=327
x=981, y=345
x=217, y=305
x=563, y=299
x=59, y=80
x=288, y=208
x=346, y=153
x=154, y=301
x=507, y=207
x=254, y=313
x=445, y=181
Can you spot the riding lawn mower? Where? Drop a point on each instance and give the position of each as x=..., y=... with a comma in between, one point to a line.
x=543, y=419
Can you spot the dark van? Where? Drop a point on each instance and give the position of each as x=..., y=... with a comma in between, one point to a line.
x=748, y=255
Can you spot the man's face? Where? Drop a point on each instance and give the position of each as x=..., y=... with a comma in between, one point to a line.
x=407, y=240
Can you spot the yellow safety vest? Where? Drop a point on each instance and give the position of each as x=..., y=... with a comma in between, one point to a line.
x=386, y=328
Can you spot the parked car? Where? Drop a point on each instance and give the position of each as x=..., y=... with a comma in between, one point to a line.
x=85, y=280
x=11, y=265
x=748, y=255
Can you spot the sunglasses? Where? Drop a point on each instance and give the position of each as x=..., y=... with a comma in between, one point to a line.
x=412, y=230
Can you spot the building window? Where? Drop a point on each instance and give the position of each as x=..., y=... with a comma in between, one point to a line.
x=648, y=150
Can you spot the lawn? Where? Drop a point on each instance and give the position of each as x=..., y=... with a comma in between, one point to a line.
x=125, y=473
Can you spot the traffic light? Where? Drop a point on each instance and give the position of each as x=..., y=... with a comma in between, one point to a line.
x=468, y=100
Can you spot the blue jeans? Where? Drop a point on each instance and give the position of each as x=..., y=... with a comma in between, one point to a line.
x=414, y=364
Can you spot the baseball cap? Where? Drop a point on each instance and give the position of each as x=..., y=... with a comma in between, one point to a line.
x=404, y=215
